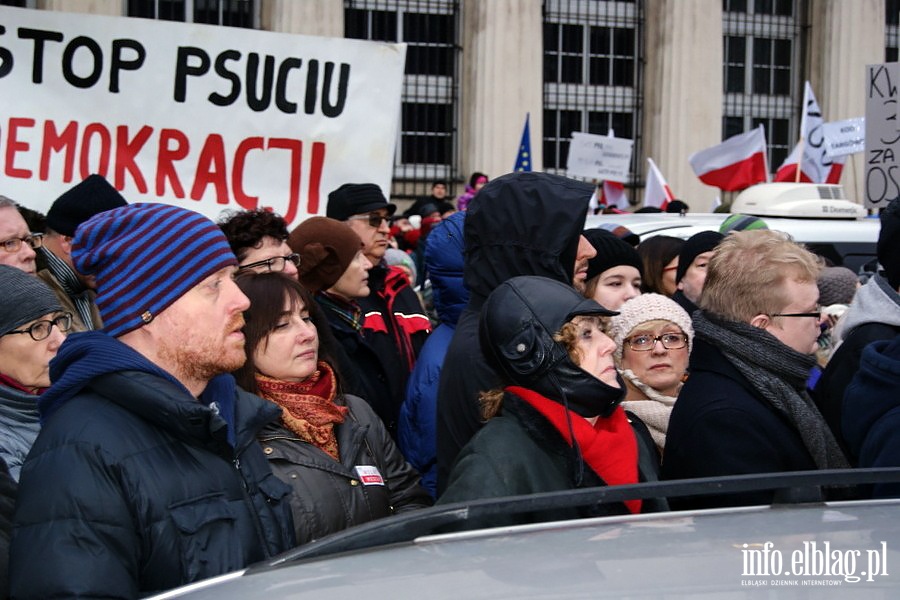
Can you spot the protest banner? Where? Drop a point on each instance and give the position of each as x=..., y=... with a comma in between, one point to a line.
x=599, y=157
x=882, y=137
x=204, y=117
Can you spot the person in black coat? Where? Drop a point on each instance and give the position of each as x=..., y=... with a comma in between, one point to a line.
x=744, y=408
x=555, y=424
x=524, y=223
x=146, y=474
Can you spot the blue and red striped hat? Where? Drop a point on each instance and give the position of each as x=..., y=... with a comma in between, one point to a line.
x=144, y=257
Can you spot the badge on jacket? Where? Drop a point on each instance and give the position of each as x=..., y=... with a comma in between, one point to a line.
x=369, y=475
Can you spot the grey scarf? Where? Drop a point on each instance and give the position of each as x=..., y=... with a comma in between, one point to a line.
x=80, y=295
x=778, y=374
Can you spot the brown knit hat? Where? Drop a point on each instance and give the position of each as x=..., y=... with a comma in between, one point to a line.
x=326, y=248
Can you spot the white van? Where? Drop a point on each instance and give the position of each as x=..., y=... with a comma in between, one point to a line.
x=816, y=215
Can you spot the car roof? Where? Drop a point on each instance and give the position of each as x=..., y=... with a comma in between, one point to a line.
x=684, y=226
x=678, y=554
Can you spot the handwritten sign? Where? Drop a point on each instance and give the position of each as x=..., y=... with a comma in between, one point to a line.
x=882, y=139
x=845, y=137
x=209, y=118
x=599, y=157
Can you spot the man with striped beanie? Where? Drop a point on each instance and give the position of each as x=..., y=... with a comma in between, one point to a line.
x=146, y=474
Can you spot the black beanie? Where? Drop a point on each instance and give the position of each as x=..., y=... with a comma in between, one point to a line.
x=76, y=205
x=889, y=243
x=611, y=252
x=696, y=245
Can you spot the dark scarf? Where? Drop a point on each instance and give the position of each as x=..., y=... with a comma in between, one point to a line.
x=89, y=354
x=778, y=374
x=349, y=312
x=81, y=297
x=609, y=447
x=309, y=408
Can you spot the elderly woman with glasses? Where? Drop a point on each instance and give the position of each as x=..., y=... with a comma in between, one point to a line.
x=17, y=244
x=653, y=336
x=259, y=240
x=32, y=327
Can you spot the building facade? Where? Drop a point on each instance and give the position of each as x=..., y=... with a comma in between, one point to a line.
x=675, y=76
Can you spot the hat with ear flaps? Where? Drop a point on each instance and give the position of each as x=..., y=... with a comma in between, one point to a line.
x=518, y=322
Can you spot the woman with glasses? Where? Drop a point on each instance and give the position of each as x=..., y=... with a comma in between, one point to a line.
x=554, y=423
x=259, y=240
x=653, y=336
x=330, y=447
x=17, y=243
x=32, y=327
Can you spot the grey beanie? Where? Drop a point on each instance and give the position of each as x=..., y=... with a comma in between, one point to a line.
x=23, y=298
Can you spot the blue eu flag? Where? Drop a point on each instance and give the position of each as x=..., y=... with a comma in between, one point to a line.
x=523, y=159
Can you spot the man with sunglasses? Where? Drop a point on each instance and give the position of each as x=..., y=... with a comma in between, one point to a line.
x=76, y=205
x=744, y=409
x=394, y=323
x=17, y=244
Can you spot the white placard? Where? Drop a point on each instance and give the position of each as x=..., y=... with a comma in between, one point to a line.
x=882, y=138
x=599, y=157
x=204, y=117
x=845, y=137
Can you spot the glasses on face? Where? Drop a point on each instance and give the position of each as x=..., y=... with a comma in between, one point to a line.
x=275, y=264
x=643, y=343
x=40, y=330
x=374, y=219
x=34, y=240
x=815, y=314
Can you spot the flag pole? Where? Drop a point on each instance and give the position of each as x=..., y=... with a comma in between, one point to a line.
x=799, y=162
x=765, y=152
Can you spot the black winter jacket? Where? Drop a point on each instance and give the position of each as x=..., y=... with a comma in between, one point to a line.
x=132, y=488
x=330, y=496
x=720, y=426
x=520, y=452
x=518, y=224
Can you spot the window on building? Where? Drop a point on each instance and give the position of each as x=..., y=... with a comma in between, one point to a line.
x=427, y=148
x=891, y=30
x=233, y=13
x=592, y=57
x=761, y=71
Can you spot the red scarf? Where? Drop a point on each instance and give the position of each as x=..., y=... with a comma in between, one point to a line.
x=309, y=408
x=609, y=447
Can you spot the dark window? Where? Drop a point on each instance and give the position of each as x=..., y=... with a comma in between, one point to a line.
x=779, y=8
x=734, y=5
x=233, y=13
x=735, y=63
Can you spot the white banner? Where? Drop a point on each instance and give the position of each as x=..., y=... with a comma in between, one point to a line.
x=845, y=137
x=599, y=157
x=208, y=118
x=882, y=138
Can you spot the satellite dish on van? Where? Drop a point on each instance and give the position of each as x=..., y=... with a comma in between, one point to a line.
x=797, y=200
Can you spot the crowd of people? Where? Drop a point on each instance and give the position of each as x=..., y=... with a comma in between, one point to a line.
x=181, y=398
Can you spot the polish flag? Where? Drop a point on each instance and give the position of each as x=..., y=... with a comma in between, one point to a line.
x=657, y=192
x=832, y=168
x=735, y=164
x=614, y=194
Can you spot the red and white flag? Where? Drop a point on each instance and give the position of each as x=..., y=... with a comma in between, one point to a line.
x=817, y=166
x=657, y=192
x=788, y=169
x=735, y=164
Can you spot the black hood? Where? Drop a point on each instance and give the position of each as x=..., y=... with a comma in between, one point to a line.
x=524, y=224
x=516, y=331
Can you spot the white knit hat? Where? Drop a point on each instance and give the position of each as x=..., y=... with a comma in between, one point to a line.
x=648, y=307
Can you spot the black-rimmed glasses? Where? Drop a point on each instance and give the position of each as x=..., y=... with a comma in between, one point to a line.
x=40, y=330
x=374, y=219
x=815, y=314
x=275, y=264
x=34, y=240
x=643, y=343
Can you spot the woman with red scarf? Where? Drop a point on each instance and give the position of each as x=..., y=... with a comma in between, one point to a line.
x=330, y=447
x=556, y=424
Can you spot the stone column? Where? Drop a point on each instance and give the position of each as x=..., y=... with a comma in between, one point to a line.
x=309, y=17
x=501, y=81
x=683, y=91
x=845, y=37
x=114, y=8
